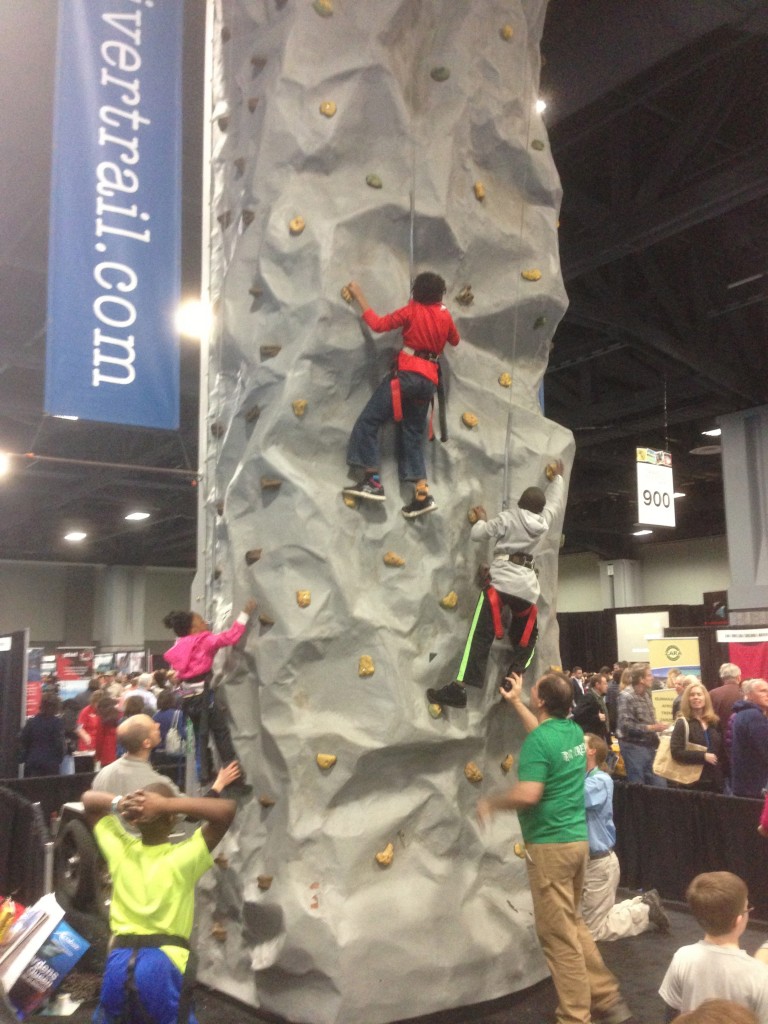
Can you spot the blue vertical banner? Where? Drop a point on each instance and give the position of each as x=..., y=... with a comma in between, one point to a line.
x=115, y=238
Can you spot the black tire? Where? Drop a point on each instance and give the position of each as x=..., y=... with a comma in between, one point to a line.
x=76, y=865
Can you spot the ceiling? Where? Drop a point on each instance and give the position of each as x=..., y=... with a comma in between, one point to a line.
x=657, y=116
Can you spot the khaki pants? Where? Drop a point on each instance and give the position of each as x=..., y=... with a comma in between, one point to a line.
x=606, y=919
x=583, y=982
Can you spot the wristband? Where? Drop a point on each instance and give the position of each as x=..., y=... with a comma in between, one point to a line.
x=113, y=806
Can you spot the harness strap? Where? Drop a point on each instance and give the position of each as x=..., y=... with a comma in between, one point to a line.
x=495, y=605
x=148, y=941
x=134, y=1009
x=530, y=613
x=397, y=400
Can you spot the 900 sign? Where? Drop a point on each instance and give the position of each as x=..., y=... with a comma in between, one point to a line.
x=655, y=495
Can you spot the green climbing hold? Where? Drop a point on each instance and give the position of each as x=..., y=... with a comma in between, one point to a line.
x=373, y=180
x=539, y=322
x=537, y=144
x=440, y=74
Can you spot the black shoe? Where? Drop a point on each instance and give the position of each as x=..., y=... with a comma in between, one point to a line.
x=419, y=508
x=452, y=696
x=656, y=913
x=370, y=489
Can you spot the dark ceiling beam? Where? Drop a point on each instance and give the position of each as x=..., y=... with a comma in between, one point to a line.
x=743, y=182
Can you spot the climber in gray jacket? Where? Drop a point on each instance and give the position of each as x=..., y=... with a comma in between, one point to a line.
x=513, y=584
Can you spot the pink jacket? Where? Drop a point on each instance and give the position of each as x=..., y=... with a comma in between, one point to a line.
x=193, y=655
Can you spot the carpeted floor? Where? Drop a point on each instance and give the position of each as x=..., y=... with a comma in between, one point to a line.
x=639, y=964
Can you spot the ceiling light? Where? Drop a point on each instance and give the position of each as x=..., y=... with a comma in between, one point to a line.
x=706, y=449
x=61, y=416
x=75, y=536
x=715, y=432
x=137, y=517
x=641, y=533
x=541, y=106
x=5, y=463
x=679, y=494
x=193, y=319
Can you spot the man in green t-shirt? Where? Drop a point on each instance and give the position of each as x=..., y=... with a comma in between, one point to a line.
x=549, y=799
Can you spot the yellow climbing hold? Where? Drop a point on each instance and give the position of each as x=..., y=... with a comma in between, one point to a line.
x=303, y=598
x=531, y=275
x=299, y=407
x=365, y=666
x=551, y=470
x=465, y=297
x=450, y=600
x=472, y=772
x=519, y=849
x=506, y=32
x=505, y=380
x=507, y=763
x=324, y=8
x=469, y=419
x=472, y=516
x=328, y=108
x=346, y=294
x=218, y=932
x=349, y=501
x=325, y=761
x=435, y=710
x=479, y=188
x=296, y=225
x=393, y=559
x=386, y=856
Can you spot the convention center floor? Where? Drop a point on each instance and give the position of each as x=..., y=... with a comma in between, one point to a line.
x=639, y=963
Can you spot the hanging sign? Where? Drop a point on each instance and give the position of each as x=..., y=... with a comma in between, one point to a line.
x=113, y=263
x=655, y=490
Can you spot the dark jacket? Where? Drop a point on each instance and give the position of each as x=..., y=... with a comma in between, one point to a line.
x=41, y=745
x=749, y=749
x=712, y=774
x=587, y=714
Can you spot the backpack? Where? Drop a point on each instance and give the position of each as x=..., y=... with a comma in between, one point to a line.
x=174, y=741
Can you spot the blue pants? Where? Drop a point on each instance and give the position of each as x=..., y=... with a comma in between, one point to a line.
x=638, y=761
x=158, y=986
x=416, y=392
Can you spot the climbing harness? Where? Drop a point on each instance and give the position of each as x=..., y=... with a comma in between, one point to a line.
x=133, y=1009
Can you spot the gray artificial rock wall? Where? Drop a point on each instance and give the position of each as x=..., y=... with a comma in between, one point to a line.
x=402, y=133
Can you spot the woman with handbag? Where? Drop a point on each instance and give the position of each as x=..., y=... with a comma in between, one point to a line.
x=698, y=727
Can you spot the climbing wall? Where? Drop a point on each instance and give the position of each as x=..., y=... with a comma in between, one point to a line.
x=370, y=139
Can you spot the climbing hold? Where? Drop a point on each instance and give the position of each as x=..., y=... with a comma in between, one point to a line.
x=539, y=322
x=217, y=574
x=472, y=772
x=266, y=620
x=551, y=470
x=218, y=932
x=296, y=225
x=450, y=600
x=393, y=559
x=326, y=760
x=435, y=710
x=440, y=74
x=253, y=102
x=349, y=501
x=538, y=144
x=465, y=296
x=472, y=517
x=479, y=189
x=219, y=508
x=386, y=856
x=248, y=216
x=365, y=666
x=226, y=34
x=324, y=8
x=264, y=881
x=269, y=351
x=270, y=483
x=239, y=165
x=505, y=379
x=469, y=419
x=225, y=219
x=266, y=801
x=221, y=861
x=252, y=556
x=303, y=598
x=256, y=292
x=299, y=407
x=531, y=275
x=373, y=181
x=506, y=32
x=507, y=763
x=346, y=294
x=328, y=108
x=252, y=414
x=223, y=122
x=519, y=850
x=218, y=429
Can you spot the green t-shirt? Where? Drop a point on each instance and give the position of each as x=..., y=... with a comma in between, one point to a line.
x=153, y=887
x=555, y=754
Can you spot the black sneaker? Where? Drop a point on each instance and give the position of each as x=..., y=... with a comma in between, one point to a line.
x=371, y=490
x=656, y=913
x=452, y=696
x=420, y=508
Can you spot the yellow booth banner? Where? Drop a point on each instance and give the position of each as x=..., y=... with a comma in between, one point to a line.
x=662, y=704
x=680, y=652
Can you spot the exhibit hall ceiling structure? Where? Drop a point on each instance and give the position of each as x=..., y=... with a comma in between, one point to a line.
x=656, y=117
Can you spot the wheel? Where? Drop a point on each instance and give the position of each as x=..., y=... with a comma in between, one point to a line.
x=76, y=865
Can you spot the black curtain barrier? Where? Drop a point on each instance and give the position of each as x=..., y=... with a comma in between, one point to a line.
x=665, y=837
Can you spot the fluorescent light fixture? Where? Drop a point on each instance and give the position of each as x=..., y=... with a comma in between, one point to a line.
x=641, y=533
x=679, y=494
x=193, y=319
x=541, y=106
x=137, y=517
x=5, y=463
x=61, y=416
x=75, y=536
x=715, y=432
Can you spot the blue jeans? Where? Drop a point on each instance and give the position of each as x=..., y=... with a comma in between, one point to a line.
x=416, y=392
x=638, y=761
